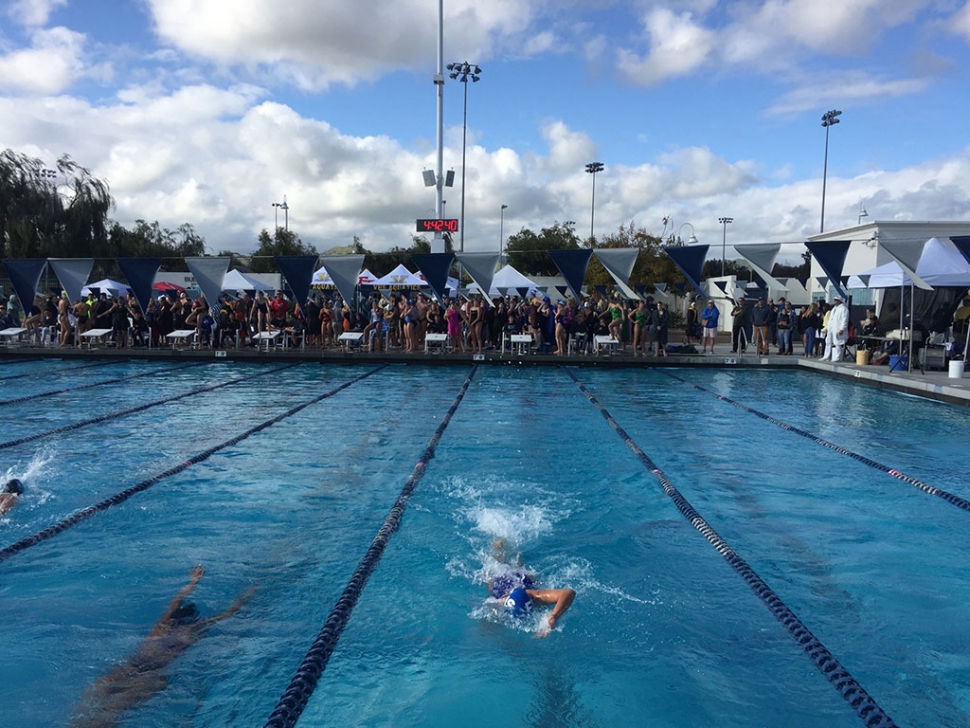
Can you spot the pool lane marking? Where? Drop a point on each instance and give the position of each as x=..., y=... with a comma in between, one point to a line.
x=863, y=704
x=65, y=370
x=301, y=687
x=153, y=372
x=139, y=408
x=950, y=498
x=124, y=495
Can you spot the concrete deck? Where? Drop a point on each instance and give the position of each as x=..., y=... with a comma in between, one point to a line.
x=936, y=385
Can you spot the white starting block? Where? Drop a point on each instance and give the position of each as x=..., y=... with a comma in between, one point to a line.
x=435, y=342
x=350, y=340
x=605, y=342
x=93, y=335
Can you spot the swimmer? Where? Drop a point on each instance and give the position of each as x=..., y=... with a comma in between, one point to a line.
x=517, y=593
x=10, y=495
x=142, y=676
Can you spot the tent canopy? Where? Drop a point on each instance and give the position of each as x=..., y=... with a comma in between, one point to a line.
x=940, y=265
x=106, y=285
x=888, y=275
x=236, y=280
x=400, y=277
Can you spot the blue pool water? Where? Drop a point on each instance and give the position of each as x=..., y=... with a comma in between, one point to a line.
x=663, y=632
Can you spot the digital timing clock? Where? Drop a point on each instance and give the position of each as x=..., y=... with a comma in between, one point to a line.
x=441, y=225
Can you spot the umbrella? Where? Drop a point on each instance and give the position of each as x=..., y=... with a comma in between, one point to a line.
x=166, y=287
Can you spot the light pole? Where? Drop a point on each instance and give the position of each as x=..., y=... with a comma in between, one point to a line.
x=463, y=71
x=501, y=233
x=829, y=118
x=725, y=221
x=692, y=240
x=592, y=168
x=286, y=213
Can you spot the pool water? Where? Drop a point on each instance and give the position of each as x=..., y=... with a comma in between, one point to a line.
x=662, y=633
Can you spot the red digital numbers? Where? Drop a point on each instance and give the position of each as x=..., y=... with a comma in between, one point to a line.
x=438, y=225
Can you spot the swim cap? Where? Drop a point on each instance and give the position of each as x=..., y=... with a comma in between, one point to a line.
x=518, y=602
x=185, y=613
x=14, y=486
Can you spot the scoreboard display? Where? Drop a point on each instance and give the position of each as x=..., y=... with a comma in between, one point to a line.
x=439, y=225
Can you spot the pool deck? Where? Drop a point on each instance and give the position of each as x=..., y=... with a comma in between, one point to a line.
x=936, y=385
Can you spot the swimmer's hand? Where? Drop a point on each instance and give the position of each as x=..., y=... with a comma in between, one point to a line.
x=196, y=573
x=546, y=629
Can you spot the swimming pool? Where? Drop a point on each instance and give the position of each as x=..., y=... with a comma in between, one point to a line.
x=663, y=632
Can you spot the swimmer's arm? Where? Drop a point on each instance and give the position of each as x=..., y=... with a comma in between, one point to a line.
x=194, y=575
x=7, y=501
x=561, y=598
x=236, y=606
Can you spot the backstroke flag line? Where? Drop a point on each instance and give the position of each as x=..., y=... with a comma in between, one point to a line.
x=140, y=273
x=72, y=273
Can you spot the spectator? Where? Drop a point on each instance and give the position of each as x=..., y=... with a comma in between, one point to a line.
x=760, y=318
x=709, y=319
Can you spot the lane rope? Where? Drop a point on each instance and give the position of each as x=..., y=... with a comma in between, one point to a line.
x=124, y=495
x=301, y=687
x=138, y=408
x=950, y=498
x=67, y=370
x=152, y=373
x=862, y=703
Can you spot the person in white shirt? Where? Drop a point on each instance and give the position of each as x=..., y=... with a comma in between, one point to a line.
x=838, y=331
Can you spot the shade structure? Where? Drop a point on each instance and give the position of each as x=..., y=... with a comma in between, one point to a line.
x=107, y=285
x=690, y=260
x=72, y=273
x=25, y=276
x=434, y=268
x=830, y=256
x=236, y=280
x=940, y=265
x=481, y=269
x=209, y=273
x=572, y=264
x=619, y=263
x=140, y=273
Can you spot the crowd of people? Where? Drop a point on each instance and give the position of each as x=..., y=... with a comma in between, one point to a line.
x=400, y=320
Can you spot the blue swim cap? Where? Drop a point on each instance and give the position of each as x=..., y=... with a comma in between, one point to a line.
x=518, y=602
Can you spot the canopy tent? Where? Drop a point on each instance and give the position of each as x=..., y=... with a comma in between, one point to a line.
x=504, y=281
x=166, y=287
x=400, y=277
x=106, y=285
x=888, y=275
x=236, y=280
x=940, y=265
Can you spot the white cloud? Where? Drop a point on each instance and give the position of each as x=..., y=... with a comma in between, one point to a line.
x=678, y=47
x=317, y=44
x=961, y=22
x=33, y=13
x=53, y=62
x=854, y=88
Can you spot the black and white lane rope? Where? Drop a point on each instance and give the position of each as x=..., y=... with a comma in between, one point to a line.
x=139, y=408
x=950, y=498
x=862, y=703
x=54, y=372
x=152, y=373
x=301, y=687
x=124, y=495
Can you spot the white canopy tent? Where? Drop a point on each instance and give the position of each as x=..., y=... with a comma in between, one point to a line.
x=106, y=285
x=235, y=280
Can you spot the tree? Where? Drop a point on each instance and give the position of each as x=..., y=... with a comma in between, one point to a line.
x=284, y=242
x=653, y=265
x=528, y=252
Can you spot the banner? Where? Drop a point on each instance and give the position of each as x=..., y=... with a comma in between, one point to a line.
x=344, y=271
x=140, y=274
x=25, y=277
x=572, y=264
x=831, y=257
x=690, y=260
x=209, y=273
x=481, y=268
x=298, y=271
x=72, y=273
x=907, y=253
x=435, y=267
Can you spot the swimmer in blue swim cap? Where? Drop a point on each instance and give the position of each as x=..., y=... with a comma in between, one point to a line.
x=515, y=590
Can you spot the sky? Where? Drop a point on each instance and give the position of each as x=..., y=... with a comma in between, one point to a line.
x=210, y=111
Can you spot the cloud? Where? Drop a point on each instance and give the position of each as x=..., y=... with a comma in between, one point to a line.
x=961, y=22
x=33, y=13
x=53, y=62
x=316, y=44
x=678, y=47
x=854, y=88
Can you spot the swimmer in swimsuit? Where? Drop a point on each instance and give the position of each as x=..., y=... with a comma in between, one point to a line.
x=142, y=676
x=516, y=590
x=10, y=495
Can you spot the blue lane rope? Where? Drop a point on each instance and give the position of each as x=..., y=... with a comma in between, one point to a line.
x=840, y=678
x=152, y=373
x=124, y=495
x=301, y=687
x=139, y=408
x=44, y=372
x=898, y=474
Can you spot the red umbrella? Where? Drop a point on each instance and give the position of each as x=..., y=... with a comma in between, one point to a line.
x=167, y=287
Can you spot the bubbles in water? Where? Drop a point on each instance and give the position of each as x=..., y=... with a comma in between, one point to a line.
x=34, y=475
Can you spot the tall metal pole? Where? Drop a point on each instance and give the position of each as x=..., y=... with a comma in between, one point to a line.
x=462, y=72
x=592, y=168
x=286, y=215
x=724, y=222
x=438, y=245
x=829, y=118
x=501, y=233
